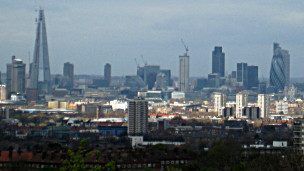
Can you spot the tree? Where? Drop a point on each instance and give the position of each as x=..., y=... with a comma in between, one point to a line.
x=76, y=160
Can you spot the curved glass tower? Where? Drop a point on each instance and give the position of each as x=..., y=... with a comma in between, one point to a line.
x=280, y=69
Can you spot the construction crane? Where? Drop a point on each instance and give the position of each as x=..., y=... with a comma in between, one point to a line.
x=186, y=47
x=136, y=63
x=145, y=62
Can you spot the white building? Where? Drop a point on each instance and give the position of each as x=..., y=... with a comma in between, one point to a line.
x=282, y=106
x=219, y=102
x=183, y=82
x=178, y=95
x=264, y=104
x=241, y=102
x=119, y=104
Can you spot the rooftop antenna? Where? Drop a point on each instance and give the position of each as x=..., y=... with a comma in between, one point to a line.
x=145, y=62
x=186, y=47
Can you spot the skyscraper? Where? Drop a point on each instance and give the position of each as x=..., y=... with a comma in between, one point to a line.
x=253, y=77
x=241, y=102
x=218, y=61
x=280, y=68
x=264, y=104
x=167, y=72
x=150, y=73
x=15, y=77
x=242, y=74
x=138, y=117
x=183, y=82
x=40, y=74
x=68, y=74
x=107, y=73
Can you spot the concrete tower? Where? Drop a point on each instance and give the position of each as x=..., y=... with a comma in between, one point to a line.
x=241, y=102
x=219, y=102
x=107, y=74
x=264, y=104
x=138, y=117
x=40, y=74
x=68, y=74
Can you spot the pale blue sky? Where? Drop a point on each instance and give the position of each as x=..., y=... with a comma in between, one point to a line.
x=92, y=33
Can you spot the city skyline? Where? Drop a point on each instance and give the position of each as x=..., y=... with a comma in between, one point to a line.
x=157, y=39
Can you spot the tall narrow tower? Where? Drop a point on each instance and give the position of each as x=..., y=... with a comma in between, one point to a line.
x=40, y=74
x=183, y=82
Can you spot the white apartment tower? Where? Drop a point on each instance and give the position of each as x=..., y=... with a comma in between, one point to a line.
x=264, y=104
x=241, y=102
x=138, y=117
x=219, y=102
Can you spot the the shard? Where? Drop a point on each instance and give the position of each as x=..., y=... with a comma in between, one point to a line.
x=40, y=74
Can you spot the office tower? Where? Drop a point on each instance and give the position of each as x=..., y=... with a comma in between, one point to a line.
x=40, y=74
x=107, y=73
x=298, y=135
x=138, y=117
x=141, y=72
x=219, y=103
x=0, y=77
x=15, y=77
x=218, y=61
x=280, y=68
x=264, y=104
x=183, y=82
x=241, y=102
x=262, y=87
x=253, y=77
x=233, y=74
x=167, y=73
x=3, y=92
x=213, y=80
x=68, y=75
x=161, y=81
x=242, y=74
x=150, y=73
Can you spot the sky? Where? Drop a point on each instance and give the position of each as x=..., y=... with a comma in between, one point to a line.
x=90, y=34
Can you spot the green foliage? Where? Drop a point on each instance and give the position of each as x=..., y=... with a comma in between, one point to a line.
x=109, y=166
x=76, y=160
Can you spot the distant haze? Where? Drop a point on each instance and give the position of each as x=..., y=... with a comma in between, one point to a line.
x=90, y=34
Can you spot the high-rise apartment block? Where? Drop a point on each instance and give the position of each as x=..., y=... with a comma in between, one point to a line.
x=183, y=82
x=264, y=104
x=40, y=74
x=15, y=77
x=298, y=135
x=241, y=102
x=280, y=68
x=219, y=102
x=68, y=74
x=218, y=61
x=138, y=117
x=107, y=74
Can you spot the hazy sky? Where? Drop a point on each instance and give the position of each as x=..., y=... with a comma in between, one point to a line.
x=92, y=33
